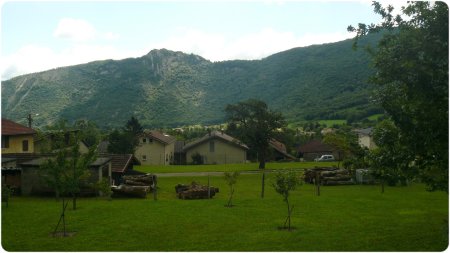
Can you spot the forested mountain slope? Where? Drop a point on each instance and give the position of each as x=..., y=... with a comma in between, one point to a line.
x=166, y=88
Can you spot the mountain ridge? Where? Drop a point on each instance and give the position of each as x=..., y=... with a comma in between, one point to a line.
x=171, y=88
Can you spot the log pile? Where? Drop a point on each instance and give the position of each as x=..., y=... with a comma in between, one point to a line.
x=135, y=186
x=328, y=176
x=195, y=191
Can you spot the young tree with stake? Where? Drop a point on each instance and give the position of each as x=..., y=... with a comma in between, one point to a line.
x=231, y=179
x=285, y=182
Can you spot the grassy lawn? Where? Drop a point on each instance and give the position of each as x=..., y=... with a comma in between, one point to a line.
x=343, y=218
x=331, y=122
x=229, y=167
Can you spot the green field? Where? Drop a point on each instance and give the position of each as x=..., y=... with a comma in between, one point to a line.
x=343, y=218
x=332, y=122
x=230, y=167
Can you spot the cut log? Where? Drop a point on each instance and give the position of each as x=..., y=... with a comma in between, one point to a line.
x=195, y=191
x=130, y=191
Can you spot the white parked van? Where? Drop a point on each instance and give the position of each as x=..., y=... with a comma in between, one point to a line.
x=325, y=158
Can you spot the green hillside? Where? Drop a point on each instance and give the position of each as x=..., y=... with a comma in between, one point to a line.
x=166, y=88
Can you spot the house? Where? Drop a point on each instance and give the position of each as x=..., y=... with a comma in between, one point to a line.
x=155, y=148
x=216, y=147
x=279, y=151
x=17, y=138
x=365, y=138
x=315, y=149
x=11, y=169
x=23, y=173
x=44, y=143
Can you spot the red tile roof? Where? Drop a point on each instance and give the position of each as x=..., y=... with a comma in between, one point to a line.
x=121, y=162
x=161, y=137
x=314, y=146
x=12, y=128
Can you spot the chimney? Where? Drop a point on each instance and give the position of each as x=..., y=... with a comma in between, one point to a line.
x=30, y=120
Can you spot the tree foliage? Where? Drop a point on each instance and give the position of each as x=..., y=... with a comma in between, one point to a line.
x=285, y=182
x=231, y=179
x=255, y=125
x=412, y=82
x=391, y=160
x=126, y=140
x=68, y=169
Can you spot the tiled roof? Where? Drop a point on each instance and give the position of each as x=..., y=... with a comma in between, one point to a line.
x=12, y=128
x=280, y=147
x=161, y=137
x=314, y=146
x=38, y=161
x=365, y=131
x=277, y=145
x=216, y=134
x=120, y=162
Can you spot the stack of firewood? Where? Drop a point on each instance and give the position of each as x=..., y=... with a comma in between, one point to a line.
x=328, y=176
x=135, y=186
x=195, y=191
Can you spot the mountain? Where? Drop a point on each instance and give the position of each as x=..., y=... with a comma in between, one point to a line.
x=166, y=88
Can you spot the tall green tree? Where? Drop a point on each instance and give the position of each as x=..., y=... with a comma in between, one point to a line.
x=411, y=80
x=126, y=140
x=121, y=142
x=133, y=126
x=255, y=124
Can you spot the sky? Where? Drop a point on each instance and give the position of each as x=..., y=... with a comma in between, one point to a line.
x=41, y=35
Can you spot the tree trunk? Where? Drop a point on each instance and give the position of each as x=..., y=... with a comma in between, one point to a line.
x=262, y=166
x=262, y=184
x=74, y=202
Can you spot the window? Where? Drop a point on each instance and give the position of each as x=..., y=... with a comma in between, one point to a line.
x=144, y=158
x=144, y=140
x=25, y=145
x=211, y=146
x=5, y=141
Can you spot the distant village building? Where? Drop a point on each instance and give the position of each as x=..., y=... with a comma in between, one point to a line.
x=155, y=148
x=315, y=149
x=365, y=138
x=216, y=147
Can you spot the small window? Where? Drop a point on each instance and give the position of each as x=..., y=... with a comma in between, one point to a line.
x=144, y=158
x=150, y=140
x=211, y=146
x=5, y=141
x=25, y=145
x=144, y=140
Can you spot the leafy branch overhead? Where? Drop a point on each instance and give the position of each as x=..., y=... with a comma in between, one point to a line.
x=412, y=82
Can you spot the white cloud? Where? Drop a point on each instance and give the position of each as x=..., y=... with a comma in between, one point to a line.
x=74, y=29
x=32, y=58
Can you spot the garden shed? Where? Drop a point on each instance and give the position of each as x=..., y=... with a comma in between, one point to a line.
x=33, y=183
